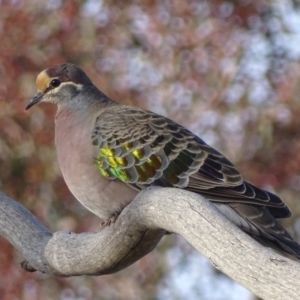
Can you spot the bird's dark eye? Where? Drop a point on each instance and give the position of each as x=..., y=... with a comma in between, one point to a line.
x=55, y=83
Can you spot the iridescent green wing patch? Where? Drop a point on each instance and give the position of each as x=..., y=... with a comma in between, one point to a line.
x=138, y=147
x=141, y=148
x=129, y=164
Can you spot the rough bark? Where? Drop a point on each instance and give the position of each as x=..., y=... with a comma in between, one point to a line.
x=137, y=231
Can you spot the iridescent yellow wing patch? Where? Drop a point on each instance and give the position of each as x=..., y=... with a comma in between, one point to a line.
x=140, y=148
x=133, y=165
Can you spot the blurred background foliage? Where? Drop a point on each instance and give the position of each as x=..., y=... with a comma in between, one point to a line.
x=227, y=70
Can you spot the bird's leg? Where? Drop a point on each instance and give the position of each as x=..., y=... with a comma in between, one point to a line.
x=27, y=266
x=110, y=221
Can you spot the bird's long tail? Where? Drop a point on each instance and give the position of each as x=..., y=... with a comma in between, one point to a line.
x=260, y=224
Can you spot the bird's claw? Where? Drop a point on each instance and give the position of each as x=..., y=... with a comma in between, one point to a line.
x=110, y=221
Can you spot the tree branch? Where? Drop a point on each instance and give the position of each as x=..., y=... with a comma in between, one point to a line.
x=137, y=231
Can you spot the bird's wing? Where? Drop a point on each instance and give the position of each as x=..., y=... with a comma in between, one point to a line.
x=141, y=148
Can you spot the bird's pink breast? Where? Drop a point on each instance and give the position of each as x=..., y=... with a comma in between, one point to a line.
x=76, y=158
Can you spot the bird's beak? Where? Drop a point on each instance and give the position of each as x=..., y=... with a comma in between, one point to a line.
x=36, y=98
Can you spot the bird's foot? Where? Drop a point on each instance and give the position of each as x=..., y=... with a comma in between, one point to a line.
x=27, y=266
x=110, y=221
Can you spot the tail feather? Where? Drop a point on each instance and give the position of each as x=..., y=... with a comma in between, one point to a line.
x=259, y=223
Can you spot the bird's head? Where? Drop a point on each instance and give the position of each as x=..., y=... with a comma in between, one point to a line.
x=59, y=84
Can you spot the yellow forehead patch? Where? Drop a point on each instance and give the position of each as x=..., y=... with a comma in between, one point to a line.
x=43, y=81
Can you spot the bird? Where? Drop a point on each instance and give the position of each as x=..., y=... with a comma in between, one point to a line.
x=109, y=152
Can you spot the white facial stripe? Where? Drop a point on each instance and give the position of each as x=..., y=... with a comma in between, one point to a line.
x=50, y=96
x=56, y=90
x=77, y=85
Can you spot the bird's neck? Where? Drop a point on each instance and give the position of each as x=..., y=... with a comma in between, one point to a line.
x=75, y=119
x=89, y=100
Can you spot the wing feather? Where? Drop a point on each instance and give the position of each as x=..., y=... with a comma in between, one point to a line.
x=141, y=148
